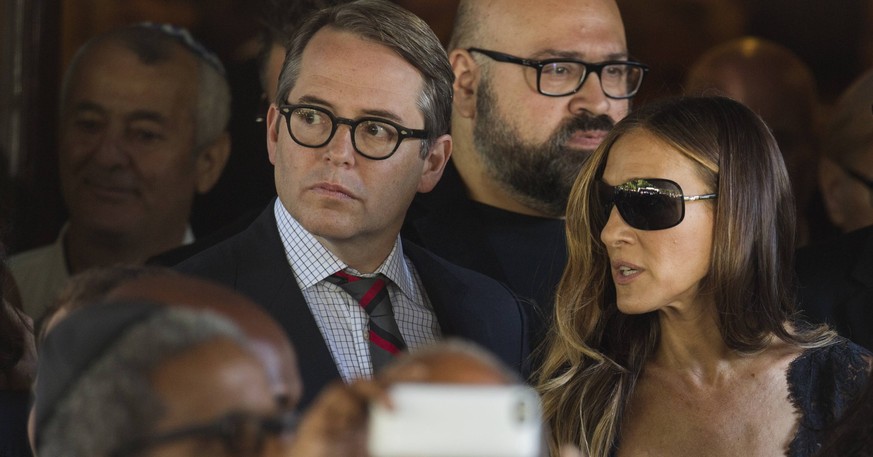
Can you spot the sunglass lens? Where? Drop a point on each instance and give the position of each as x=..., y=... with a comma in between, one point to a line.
x=650, y=204
x=605, y=200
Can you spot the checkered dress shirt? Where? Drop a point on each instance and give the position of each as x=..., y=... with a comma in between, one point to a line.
x=342, y=322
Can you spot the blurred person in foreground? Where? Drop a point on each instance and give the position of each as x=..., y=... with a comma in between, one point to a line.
x=143, y=116
x=675, y=323
x=168, y=287
x=198, y=389
x=337, y=423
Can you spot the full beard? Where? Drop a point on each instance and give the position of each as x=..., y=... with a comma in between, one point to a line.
x=539, y=176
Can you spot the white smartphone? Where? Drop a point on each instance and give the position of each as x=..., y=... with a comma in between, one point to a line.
x=453, y=420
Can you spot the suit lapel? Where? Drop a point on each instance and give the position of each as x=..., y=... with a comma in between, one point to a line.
x=446, y=295
x=491, y=323
x=265, y=275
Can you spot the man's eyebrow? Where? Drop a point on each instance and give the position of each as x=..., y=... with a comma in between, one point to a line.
x=385, y=114
x=80, y=107
x=146, y=115
x=313, y=100
x=558, y=54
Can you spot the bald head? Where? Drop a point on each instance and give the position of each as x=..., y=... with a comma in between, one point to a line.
x=514, y=147
x=449, y=362
x=268, y=340
x=763, y=75
x=506, y=20
x=772, y=81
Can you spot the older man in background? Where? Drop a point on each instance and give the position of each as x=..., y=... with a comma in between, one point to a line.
x=144, y=110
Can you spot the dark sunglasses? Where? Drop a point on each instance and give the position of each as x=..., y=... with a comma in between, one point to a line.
x=647, y=204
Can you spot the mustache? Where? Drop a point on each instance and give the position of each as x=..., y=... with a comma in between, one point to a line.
x=587, y=122
x=581, y=123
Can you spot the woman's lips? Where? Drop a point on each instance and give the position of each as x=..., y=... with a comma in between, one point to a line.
x=625, y=273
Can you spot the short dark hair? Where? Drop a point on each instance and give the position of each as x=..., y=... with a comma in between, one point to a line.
x=396, y=28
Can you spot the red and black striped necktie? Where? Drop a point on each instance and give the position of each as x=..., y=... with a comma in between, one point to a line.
x=372, y=294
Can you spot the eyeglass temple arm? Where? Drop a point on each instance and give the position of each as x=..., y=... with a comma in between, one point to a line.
x=692, y=198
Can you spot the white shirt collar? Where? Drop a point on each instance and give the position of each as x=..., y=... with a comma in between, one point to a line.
x=312, y=262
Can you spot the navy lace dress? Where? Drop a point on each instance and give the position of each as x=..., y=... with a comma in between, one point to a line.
x=822, y=384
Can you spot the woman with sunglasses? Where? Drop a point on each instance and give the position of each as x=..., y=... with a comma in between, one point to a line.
x=674, y=320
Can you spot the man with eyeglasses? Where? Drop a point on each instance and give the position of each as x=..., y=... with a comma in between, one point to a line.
x=132, y=378
x=536, y=90
x=358, y=127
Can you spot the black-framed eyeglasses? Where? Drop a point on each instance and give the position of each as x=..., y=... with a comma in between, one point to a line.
x=373, y=137
x=647, y=203
x=619, y=79
x=241, y=434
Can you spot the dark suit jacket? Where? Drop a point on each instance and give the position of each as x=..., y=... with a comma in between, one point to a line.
x=836, y=284
x=467, y=304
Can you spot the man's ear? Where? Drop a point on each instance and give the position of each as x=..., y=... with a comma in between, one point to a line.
x=467, y=75
x=273, y=117
x=435, y=163
x=210, y=162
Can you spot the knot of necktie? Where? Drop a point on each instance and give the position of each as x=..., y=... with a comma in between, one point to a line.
x=371, y=293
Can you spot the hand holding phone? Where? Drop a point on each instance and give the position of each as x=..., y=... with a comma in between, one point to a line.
x=453, y=420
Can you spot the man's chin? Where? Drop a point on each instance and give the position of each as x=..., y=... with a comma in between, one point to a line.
x=110, y=224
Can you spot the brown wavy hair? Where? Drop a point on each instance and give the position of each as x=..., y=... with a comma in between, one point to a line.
x=595, y=354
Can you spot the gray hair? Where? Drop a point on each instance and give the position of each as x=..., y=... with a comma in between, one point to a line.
x=154, y=44
x=114, y=401
x=392, y=26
